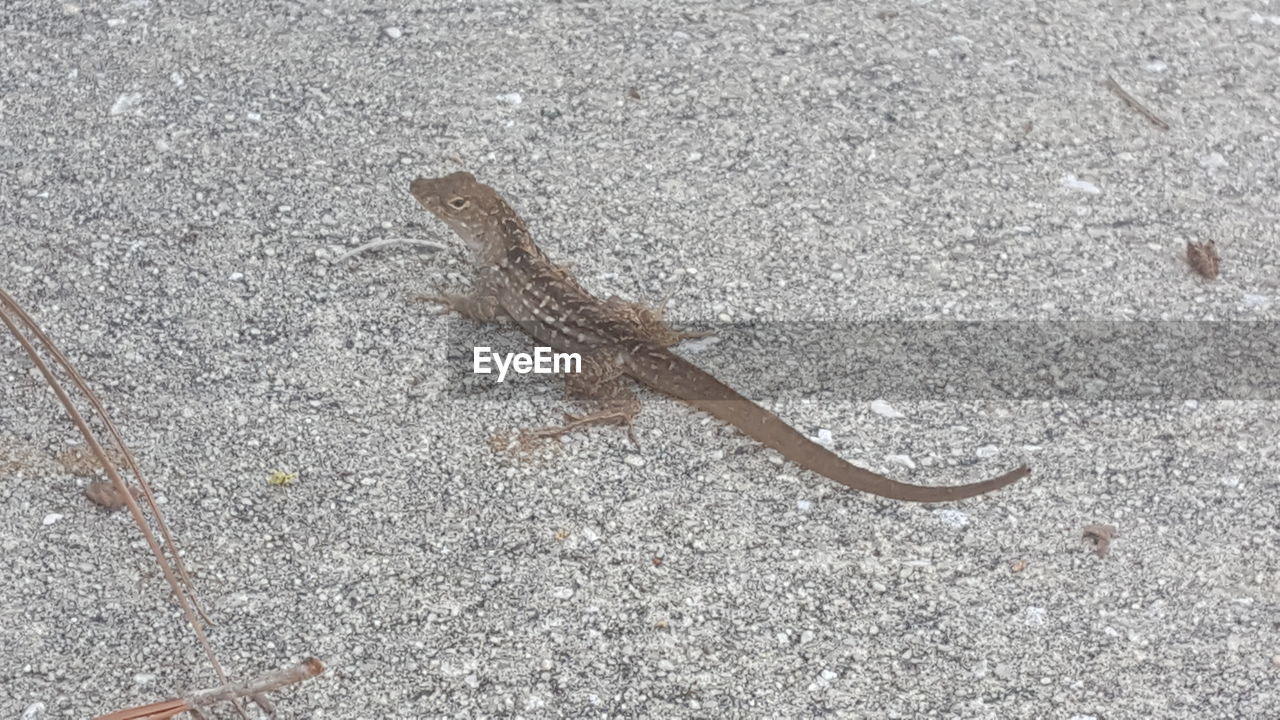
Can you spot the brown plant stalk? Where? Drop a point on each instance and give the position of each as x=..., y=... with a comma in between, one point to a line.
x=20, y=324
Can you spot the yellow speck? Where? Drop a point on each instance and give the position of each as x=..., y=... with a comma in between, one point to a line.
x=280, y=478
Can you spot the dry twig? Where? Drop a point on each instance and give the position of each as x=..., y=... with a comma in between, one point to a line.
x=33, y=340
x=1132, y=102
x=197, y=702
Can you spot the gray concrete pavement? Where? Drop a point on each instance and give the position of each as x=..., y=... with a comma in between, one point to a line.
x=176, y=183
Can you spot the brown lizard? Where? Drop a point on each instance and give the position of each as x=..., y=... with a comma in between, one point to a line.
x=617, y=338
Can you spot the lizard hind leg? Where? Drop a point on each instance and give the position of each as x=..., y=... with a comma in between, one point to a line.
x=603, y=385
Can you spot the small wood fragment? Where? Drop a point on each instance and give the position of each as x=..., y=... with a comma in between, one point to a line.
x=1203, y=258
x=1100, y=536
x=105, y=493
x=633, y=93
x=1018, y=566
x=1132, y=102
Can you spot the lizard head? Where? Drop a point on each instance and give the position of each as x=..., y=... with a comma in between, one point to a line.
x=465, y=205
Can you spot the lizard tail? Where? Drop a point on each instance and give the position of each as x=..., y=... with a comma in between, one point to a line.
x=671, y=374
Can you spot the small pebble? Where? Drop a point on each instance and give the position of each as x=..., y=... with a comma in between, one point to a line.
x=903, y=460
x=392, y=32
x=634, y=460
x=52, y=518
x=952, y=517
x=1071, y=182
x=126, y=103
x=884, y=409
x=1213, y=161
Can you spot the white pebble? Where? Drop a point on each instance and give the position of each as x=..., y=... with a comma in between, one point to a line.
x=903, y=460
x=952, y=517
x=1156, y=66
x=51, y=518
x=1253, y=300
x=126, y=103
x=34, y=711
x=1035, y=615
x=884, y=409
x=562, y=593
x=824, y=438
x=634, y=460
x=806, y=636
x=510, y=98
x=1213, y=161
x=987, y=451
x=1071, y=182
x=392, y=32
x=804, y=505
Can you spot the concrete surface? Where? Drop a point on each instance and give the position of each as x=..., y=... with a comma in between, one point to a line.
x=176, y=183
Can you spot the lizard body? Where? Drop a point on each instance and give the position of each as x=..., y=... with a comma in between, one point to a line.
x=517, y=280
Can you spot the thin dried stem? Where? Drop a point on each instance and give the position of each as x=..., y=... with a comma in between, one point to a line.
x=15, y=318
x=389, y=241
x=1132, y=102
x=198, y=701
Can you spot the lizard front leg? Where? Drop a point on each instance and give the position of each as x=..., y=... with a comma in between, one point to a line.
x=480, y=305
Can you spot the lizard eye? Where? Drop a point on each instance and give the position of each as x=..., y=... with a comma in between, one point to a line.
x=458, y=203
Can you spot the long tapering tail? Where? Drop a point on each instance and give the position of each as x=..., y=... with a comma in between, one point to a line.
x=669, y=373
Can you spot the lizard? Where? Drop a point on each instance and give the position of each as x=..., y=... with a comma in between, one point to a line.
x=617, y=339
